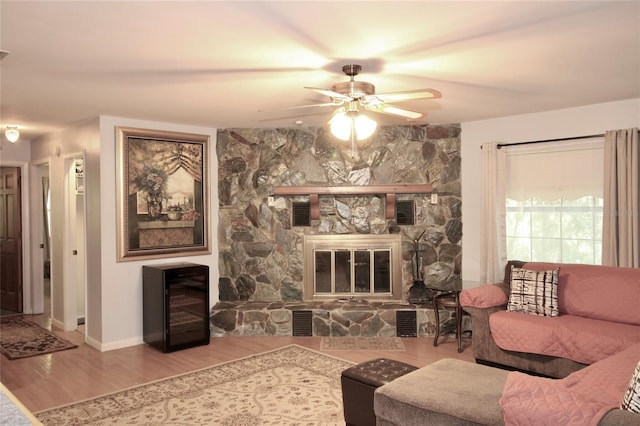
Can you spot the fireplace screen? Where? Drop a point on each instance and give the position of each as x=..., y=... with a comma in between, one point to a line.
x=359, y=271
x=346, y=266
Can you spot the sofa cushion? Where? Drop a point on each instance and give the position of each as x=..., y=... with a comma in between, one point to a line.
x=583, y=340
x=594, y=291
x=631, y=400
x=534, y=292
x=582, y=398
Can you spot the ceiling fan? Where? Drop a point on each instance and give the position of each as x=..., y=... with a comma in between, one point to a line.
x=348, y=121
x=356, y=94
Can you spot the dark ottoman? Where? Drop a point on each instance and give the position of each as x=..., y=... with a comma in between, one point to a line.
x=360, y=382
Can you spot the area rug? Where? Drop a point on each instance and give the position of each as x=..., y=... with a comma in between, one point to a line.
x=287, y=386
x=350, y=343
x=21, y=338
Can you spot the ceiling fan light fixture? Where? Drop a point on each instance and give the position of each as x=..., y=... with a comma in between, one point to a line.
x=12, y=134
x=345, y=124
x=364, y=126
x=340, y=125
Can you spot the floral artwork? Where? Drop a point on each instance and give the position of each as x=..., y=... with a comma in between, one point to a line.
x=163, y=194
x=151, y=180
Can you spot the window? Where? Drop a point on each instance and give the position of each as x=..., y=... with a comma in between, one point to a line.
x=554, y=202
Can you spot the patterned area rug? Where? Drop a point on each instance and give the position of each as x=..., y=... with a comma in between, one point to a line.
x=287, y=386
x=21, y=338
x=347, y=343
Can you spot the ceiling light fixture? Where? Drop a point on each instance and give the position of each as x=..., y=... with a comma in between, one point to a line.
x=349, y=124
x=12, y=134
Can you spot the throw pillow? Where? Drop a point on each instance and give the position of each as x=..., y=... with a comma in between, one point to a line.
x=631, y=400
x=534, y=292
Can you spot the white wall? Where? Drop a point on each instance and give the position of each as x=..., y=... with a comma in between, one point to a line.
x=19, y=151
x=121, y=282
x=54, y=149
x=565, y=123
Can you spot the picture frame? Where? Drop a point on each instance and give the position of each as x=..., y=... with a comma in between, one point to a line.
x=162, y=194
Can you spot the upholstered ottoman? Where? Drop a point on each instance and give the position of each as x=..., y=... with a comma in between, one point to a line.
x=447, y=392
x=359, y=384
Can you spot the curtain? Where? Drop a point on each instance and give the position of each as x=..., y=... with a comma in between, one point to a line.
x=492, y=215
x=621, y=223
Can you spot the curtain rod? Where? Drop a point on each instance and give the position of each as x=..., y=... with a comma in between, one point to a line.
x=500, y=145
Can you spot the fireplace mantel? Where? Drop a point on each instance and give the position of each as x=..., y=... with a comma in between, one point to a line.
x=389, y=191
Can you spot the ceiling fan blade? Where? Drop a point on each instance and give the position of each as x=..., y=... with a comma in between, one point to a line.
x=304, y=106
x=331, y=94
x=394, y=110
x=408, y=95
x=292, y=116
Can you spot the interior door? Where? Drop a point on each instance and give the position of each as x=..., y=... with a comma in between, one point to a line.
x=10, y=240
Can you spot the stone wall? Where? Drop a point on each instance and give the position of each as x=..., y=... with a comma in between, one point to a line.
x=260, y=252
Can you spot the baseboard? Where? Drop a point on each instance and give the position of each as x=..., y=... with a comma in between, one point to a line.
x=57, y=323
x=104, y=347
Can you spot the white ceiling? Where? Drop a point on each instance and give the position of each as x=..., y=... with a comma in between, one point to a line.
x=217, y=63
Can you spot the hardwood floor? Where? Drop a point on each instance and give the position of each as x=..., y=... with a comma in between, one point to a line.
x=64, y=377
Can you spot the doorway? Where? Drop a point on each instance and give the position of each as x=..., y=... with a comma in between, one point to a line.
x=11, y=240
x=45, y=237
x=74, y=253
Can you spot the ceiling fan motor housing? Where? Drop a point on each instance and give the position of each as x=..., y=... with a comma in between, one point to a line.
x=355, y=89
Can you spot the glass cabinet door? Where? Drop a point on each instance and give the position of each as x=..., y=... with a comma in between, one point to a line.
x=187, y=298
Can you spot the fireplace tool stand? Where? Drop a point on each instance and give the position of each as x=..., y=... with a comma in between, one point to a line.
x=418, y=293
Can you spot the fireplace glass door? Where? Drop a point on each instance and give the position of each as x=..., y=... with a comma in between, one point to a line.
x=353, y=272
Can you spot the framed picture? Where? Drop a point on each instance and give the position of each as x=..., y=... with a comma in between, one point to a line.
x=163, y=194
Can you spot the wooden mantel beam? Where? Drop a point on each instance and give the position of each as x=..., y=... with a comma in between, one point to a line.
x=389, y=191
x=420, y=188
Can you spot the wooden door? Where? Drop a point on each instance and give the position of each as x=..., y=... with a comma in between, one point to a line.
x=10, y=240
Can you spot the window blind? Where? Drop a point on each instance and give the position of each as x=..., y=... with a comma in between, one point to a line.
x=567, y=170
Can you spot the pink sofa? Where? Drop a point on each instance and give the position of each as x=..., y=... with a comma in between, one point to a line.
x=599, y=310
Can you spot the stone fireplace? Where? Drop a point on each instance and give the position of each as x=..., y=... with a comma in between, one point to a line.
x=264, y=268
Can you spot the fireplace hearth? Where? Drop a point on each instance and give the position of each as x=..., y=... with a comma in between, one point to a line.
x=328, y=318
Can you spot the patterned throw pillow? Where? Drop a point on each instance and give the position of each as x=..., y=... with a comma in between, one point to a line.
x=534, y=292
x=631, y=400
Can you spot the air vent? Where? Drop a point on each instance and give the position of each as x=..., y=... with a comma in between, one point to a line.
x=405, y=212
x=302, y=323
x=301, y=214
x=406, y=324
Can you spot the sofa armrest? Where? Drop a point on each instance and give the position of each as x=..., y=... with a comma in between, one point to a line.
x=484, y=296
x=490, y=295
x=484, y=347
